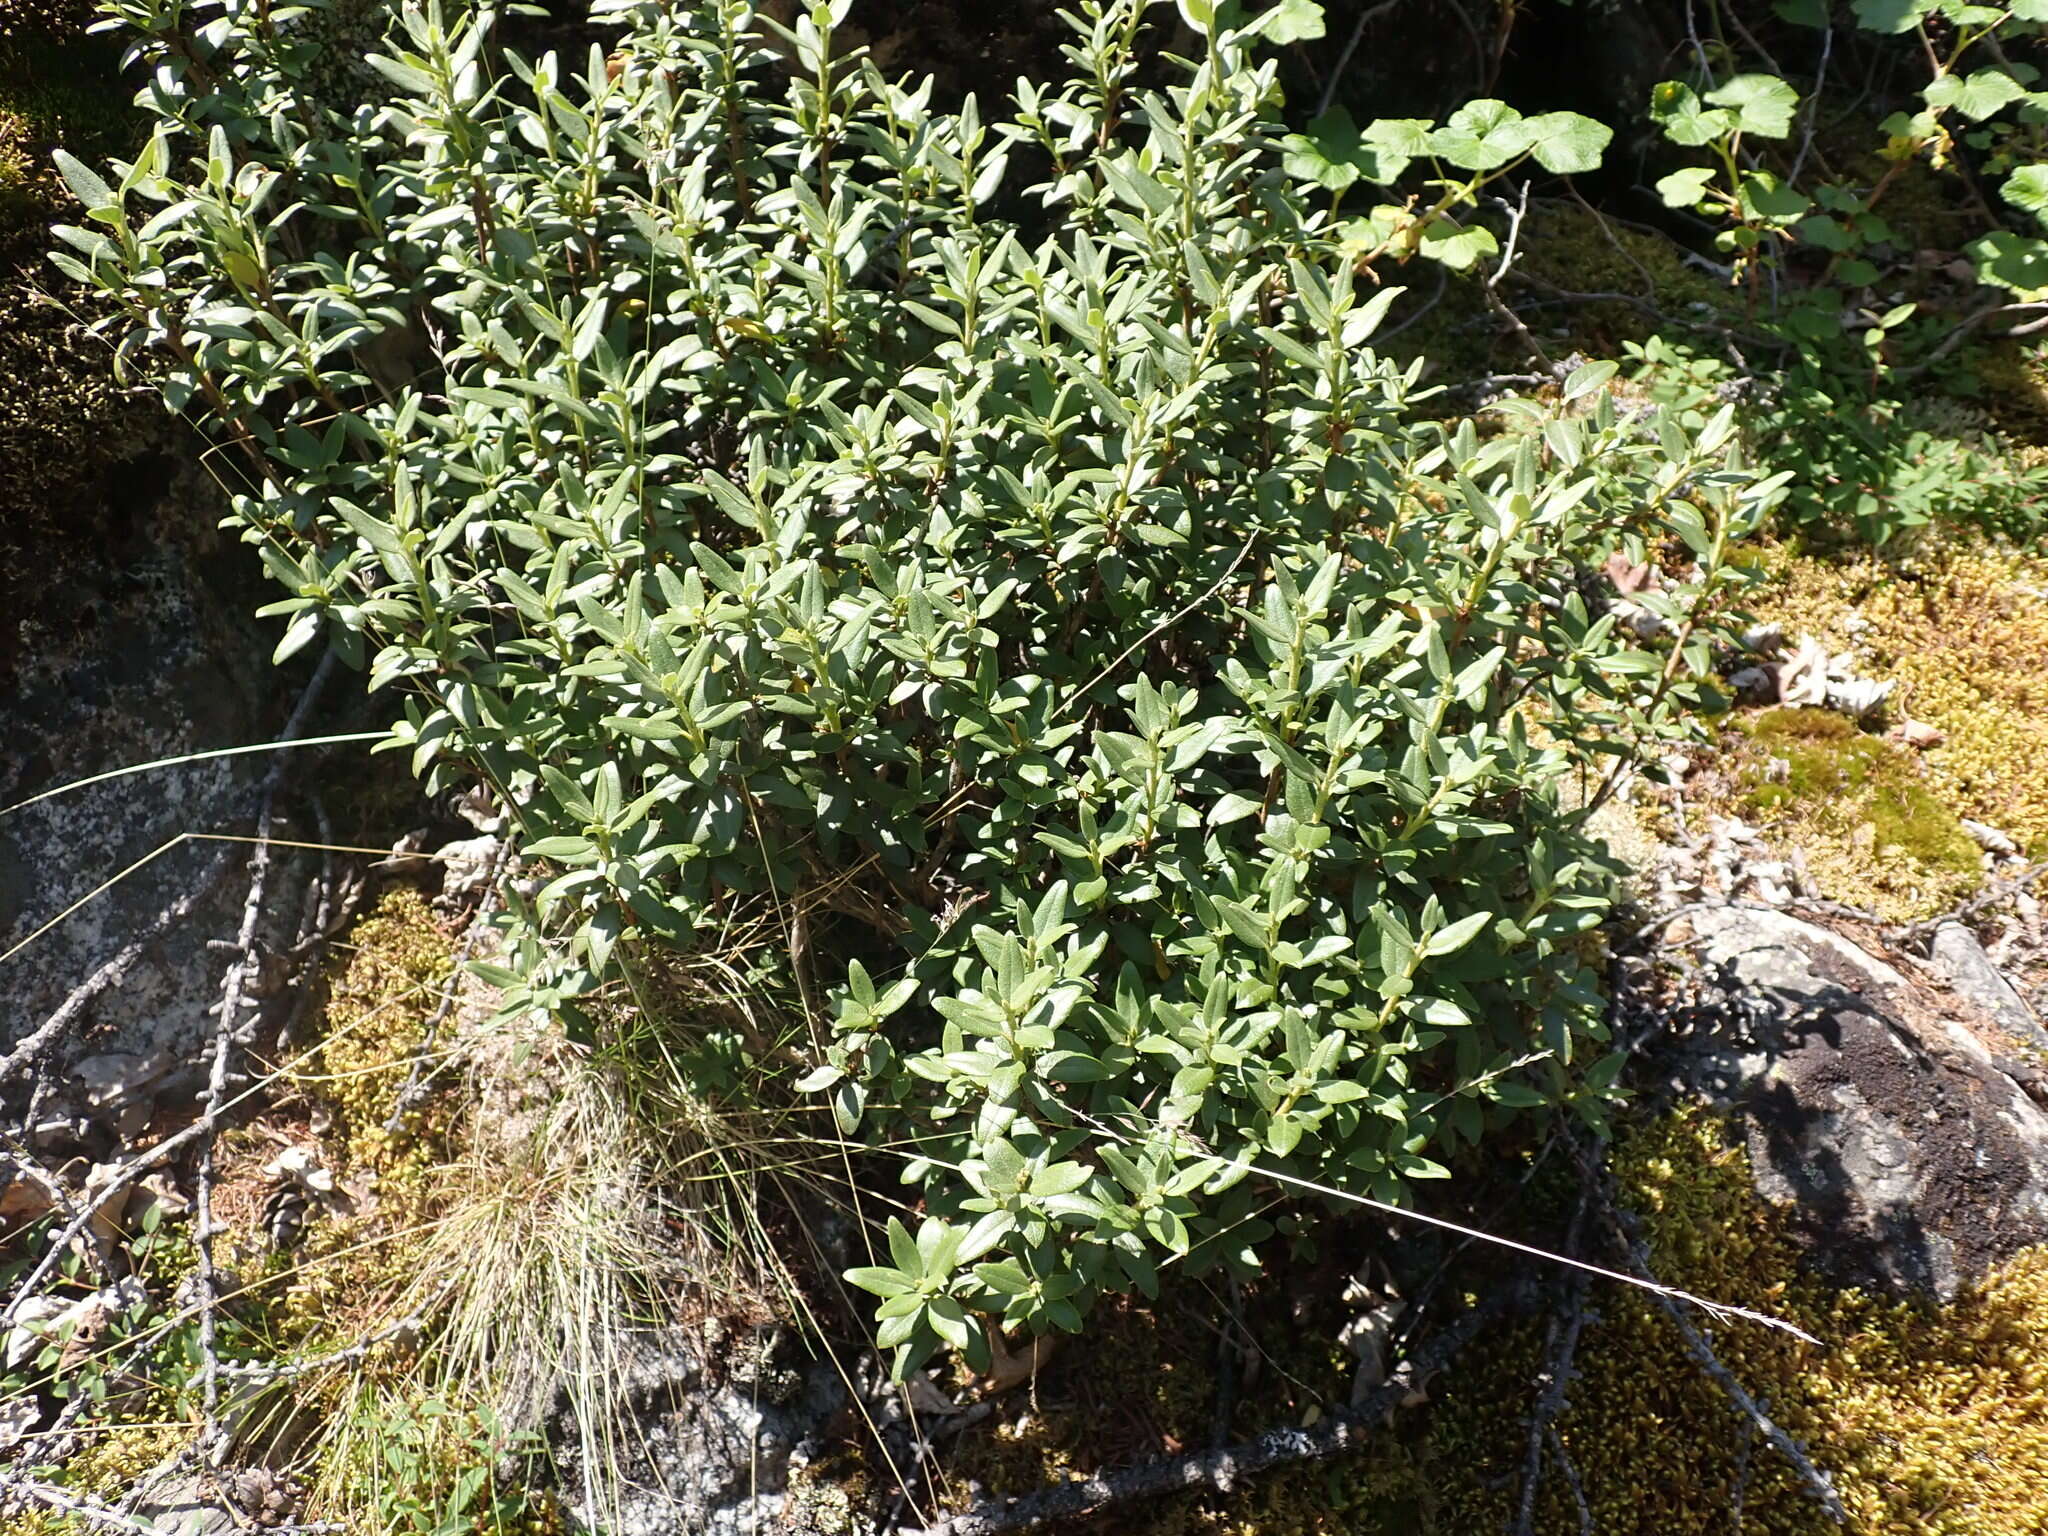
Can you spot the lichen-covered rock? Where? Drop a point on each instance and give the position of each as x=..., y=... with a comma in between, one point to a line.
x=1890, y=1115
x=1959, y=959
x=155, y=657
x=721, y=1422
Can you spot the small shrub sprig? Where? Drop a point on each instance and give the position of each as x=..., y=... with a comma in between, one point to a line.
x=992, y=545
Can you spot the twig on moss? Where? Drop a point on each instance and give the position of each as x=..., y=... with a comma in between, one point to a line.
x=77, y=1505
x=82, y=1507
x=1570, y=1469
x=1917, y=936
x=420, y=1076
x=1741, y=1493
x=233, y=993
x=1818, y=1483
x=234, y=989
x=333, y=900
x=1221, y=1469
x=1560, y=1347
x=1962, y=330
x=281, y=1370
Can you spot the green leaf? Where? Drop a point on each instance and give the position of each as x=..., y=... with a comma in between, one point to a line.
x=2010, y=261
x=1448, y=941
x=1291, y=21
x=1229, y=808
x=1457, y=246
x=1764, y=105
x=85, y=183
x=1334, y=154
x=1890, y=16
x=1565, y=143
x=1764, y=197
x=882, y=1282
x=1977, y=95
x=2027, y=188
x=849, y=1103
x=1587, y=378
x=559, y=848
x=1686, y=188
x=1005, y=1276
x=1675, y=109
x=1482, y=136
x=1825, y=234
x=1409, y=138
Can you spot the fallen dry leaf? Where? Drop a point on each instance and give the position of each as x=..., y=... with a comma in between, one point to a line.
x=1803, y=679
x=1628, y=577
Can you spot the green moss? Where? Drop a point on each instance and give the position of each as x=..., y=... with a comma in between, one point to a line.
x=385, y=989
x=1965, y=633
x=2012, y=384
x=1859, y=809
x=1931, y=1420
x=1828, y=759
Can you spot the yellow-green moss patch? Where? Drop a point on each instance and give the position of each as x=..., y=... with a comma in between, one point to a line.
x=1930, y=1420
x=386, y=988
x=1859, y=809
x=1965, y=632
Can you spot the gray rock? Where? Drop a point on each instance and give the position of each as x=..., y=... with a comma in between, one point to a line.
x=159, y=657
x=1879, y=1107
x=717, y=1425
x=1961, y=962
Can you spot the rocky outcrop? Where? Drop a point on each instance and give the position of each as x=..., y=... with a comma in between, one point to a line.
x=157, y=658
x=1896, y=1117
x=719, y=1422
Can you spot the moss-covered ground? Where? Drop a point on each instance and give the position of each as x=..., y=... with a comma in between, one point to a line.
x=1963, y=627
x=1860, y=811
x=1931, y=1420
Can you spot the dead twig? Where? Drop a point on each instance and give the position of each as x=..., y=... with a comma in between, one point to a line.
x=333, y=899
x=107, y=1518
x=1569, y=1468
x=1961, y=331
x=233, y=990
x=1916, y=937
x=1516, y=213
x=1560, y=1347
x=412, y=1324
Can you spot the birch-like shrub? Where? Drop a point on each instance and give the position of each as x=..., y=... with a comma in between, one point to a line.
x=989, y=545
